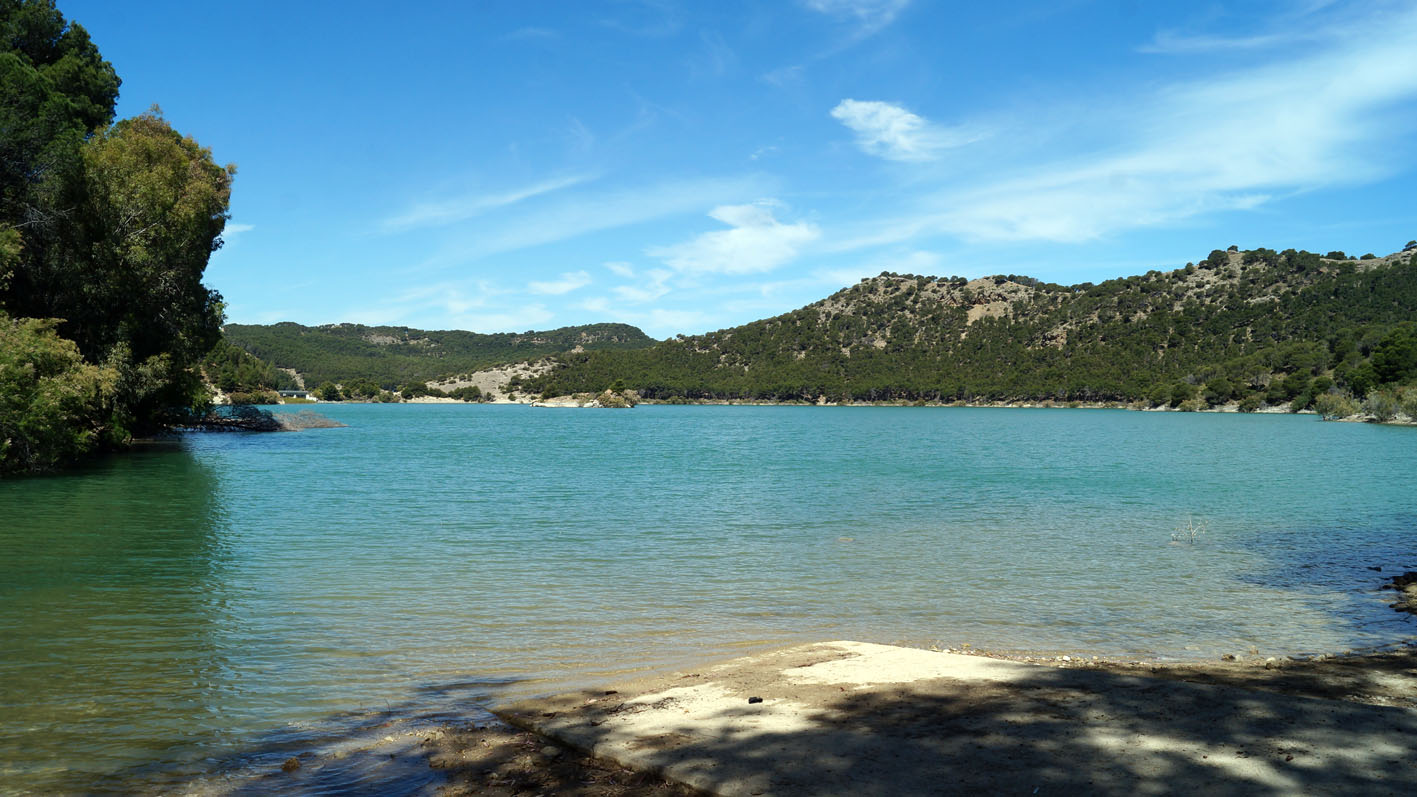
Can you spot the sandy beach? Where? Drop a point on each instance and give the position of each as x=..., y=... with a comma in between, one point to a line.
x=859, y=718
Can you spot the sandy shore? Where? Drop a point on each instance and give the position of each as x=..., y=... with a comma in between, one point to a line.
x=499, y=759
x=854, y=718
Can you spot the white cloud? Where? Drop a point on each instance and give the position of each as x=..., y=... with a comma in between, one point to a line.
x=1332, y=116
x=437, y=214
x=656, y=285
x=595, y=212
x=621, y=268
x=757, y=242
x=869, y=15
x=569, y=281
x=785, y=76
x=1173, y=43
x=891, y=132
x=236, y=229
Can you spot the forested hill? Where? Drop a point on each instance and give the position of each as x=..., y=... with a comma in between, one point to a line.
x=1257, y=327
x=395, y=356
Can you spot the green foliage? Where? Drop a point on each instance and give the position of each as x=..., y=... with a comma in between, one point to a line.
x=466, y=393
x=232, y=370
x=1218, y=390
x=361, y=389
x=1284, y=327
x=1407, y=401
x=1333, y=406
x=1382, y=405
x=105, y=229
x=392, y=356
x=240, y=398
x=1181, y=393
x=54, y=407
x=1337, y=254
x=328, y=391
x=1395, y=358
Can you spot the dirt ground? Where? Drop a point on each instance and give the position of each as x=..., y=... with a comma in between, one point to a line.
x=501, y=761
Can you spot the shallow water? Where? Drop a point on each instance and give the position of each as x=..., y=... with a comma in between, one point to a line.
x=221, y=600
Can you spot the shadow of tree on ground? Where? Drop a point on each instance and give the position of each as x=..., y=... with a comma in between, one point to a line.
x=1043, y=730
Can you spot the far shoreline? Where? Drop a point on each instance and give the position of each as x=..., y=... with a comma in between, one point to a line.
x=1232, y=408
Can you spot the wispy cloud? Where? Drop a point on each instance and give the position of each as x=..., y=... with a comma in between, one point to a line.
x=621, y=268
x=569, y=281
x=597, y=211
x=656, y=284
x=869, y=16
x=891, y=132
x=1229, y=142
x=756, y=242
x=1174, y=43
x=532, y=33
x=231, y=232
x=714, y=58
x=437, y=214
x=1310, y=21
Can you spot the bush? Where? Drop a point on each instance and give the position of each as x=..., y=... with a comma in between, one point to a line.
x=1332, y=406
x=54, y=407
x=1407, y=400
x=466, y=393
x=1250, y=403
x=329, y=391
x=1381, y=405
x=1181, y=393
x=1336, y=254
x=239, y=399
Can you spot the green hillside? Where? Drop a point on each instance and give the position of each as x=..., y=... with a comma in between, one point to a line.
x=394, y=356
x=1257, y=327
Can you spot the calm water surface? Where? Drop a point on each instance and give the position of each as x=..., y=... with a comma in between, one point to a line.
x=220, y=600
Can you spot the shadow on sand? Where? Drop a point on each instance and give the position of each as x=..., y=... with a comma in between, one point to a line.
x=1030, y=730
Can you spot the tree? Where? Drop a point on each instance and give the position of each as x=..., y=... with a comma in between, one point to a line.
x=58, y=91
x=328, y=391
x=1395, y=358
x=106, y=229
x=54, y=407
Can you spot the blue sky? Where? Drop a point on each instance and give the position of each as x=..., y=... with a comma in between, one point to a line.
x=688, y=166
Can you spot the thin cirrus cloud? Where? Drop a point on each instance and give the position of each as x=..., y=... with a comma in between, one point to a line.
x=894, y=133
x=569, y=281
x=755, y=242
x=656, y=284
x=452, y=211
x=869, y=15
x=567, y=219
x=1233, y=141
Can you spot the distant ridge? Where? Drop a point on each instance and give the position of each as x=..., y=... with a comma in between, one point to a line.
x=1256, y=327
x=393, y=356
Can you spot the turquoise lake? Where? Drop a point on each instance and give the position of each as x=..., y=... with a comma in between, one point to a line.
x=215, y=601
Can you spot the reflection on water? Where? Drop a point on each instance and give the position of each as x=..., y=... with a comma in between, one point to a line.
x=111, y=593
x=225, y=601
